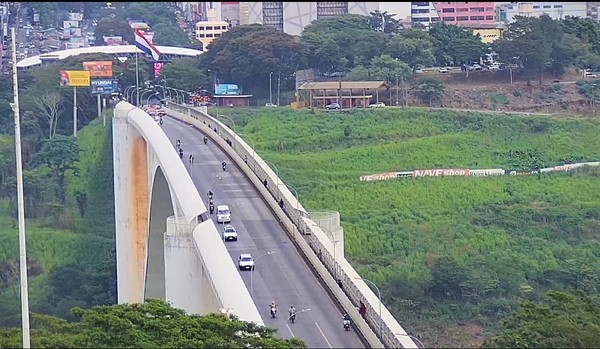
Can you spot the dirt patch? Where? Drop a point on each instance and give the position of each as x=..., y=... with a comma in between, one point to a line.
x=493, y=91
x=460, y=336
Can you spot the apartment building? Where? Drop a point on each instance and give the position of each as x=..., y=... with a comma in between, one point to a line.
x=293, y=17
x=469, y=13
x=556, y=10
x=213, y=27
x=592, y=10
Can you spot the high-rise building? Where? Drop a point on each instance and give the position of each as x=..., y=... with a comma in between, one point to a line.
x=293, y=17
x=556, y=10
x=592, y=10
x=213, y=27
x=468, y=13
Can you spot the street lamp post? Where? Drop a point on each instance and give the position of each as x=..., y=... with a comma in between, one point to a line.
x=233, y=123
x=270, y=89
x=379, y=296
x=298, y=312
x=20, y=201
x=278, y=87
x=276, y=172
x=252, y=271
x=413, y=337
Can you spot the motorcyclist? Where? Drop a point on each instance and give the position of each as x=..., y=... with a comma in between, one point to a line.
x=210, y=195
x=273, y=308
x=205, y=140
x=292, y=311
x=178, y=144
x=160, y=121
x=211, y=207
x=181, y=153
x=346, y=317
x=347, y=321
x=224, y=165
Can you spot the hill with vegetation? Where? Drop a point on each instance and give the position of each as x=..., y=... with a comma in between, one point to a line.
x=453, y=256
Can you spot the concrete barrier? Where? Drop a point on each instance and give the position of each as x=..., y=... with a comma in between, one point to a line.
x=338, y=275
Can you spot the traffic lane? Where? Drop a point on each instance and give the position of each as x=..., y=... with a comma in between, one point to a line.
x=285, y=278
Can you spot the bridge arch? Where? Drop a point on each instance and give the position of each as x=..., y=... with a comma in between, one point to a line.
x=166, y=246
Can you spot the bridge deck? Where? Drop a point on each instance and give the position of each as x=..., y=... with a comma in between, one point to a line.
x=283, y=276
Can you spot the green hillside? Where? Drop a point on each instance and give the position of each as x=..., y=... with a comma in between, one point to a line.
x=452, y=255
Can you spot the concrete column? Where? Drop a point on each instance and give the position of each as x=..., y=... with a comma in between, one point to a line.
x=183, y=275
x=131, y=209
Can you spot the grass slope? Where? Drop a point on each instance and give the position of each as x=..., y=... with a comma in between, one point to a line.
x=446, y=251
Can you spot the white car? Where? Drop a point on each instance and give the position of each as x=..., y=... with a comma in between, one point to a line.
x=443, y=70
x=229, y=233
x=590, y=75
x=271, y=105
x=223, y=214
x=377, y=105
x=246, y=262
x=418, y=71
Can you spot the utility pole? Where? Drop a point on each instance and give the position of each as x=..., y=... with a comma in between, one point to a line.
x=270, y=88
x=278, y=87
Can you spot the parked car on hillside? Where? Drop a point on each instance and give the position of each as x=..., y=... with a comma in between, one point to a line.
x=377, y=105
x=443, y=70
x=333, y=106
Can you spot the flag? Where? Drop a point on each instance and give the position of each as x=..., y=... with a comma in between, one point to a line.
x=145, y=45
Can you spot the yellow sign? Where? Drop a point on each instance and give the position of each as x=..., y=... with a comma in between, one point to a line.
x=75, y=78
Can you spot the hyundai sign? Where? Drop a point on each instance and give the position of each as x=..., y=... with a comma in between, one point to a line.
x=104, y=86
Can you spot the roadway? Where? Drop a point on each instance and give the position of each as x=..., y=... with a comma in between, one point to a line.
x=283, y=276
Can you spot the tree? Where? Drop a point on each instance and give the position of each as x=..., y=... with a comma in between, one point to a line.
x=585, y=29
x=449, y=40
x=412, y=51
x=383, y=68
x=59, y=153
x=153, y=324
x=184, y=74
x=525, y=42
x=384, y=22
x=113, y=27
x=430, y=90
x=562, y=320
x=246, y=54
x=49, y=104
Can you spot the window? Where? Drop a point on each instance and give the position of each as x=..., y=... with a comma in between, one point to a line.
x=489, y=18
x=476, y=9
x=510, y=7
x=201, y=35
x=420, y=4
x=557, y=6
x=209, y=27
x=420, y=19
x=448, y=19
x=217, y=35
x=224, y=27
x=462, y=9
x=477, y=18
x=209, y=35
x=547, y=6
x=462, y=18
x=489, y=9
x=419, y=10
x=536, y=6
x=201, y=28
x=448, y=10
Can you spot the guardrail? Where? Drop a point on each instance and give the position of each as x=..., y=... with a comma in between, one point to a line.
x=340, y=277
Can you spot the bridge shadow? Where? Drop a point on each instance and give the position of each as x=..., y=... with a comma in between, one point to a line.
x=161, y=207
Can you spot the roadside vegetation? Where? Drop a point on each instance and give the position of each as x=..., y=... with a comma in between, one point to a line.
x=453, y=256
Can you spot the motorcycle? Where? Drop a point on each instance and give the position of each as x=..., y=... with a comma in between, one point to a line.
x=224, y=166
x=273, y=311
x=205, y=140
x=293, y=317
x=347, y=325
x=160, y=121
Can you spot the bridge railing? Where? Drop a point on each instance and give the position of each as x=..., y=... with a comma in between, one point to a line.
x=384, y=326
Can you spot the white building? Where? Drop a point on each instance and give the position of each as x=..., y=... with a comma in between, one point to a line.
x=423, y=13
x=207, y=31
x=293, y=17
x=556, y=10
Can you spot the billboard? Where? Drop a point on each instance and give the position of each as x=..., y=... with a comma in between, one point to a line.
x=36, y=17
x=75, y=16
x=99, y=69
x=441, y=172
x=112, y=40
x=70, y=24
x=75, y=78
x=227, y=89
x=157, y=67
x=104, y=86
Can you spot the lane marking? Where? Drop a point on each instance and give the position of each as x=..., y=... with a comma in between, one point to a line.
x=323, y=334
x=289, y=329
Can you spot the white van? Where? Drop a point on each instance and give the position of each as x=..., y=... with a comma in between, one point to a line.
x=223, y=214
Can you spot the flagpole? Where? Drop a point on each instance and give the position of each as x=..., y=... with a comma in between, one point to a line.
x=137, y=79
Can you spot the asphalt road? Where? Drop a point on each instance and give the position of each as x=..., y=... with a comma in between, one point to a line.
x=283, y=276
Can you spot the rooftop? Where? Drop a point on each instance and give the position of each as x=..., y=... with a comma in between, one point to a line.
x=345, y=85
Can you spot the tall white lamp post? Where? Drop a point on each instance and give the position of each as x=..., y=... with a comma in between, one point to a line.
x=20, y=202
x=252, y=270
